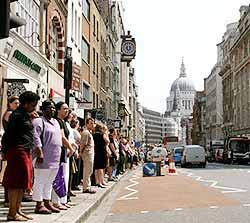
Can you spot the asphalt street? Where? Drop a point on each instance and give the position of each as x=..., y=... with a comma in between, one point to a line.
x=219, y=193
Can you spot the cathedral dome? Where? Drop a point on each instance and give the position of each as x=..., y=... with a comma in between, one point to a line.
x=183, y=83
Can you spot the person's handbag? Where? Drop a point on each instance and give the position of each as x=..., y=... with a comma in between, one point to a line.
x=59, y=183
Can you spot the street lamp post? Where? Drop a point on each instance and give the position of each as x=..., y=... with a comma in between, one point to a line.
x=67, y=73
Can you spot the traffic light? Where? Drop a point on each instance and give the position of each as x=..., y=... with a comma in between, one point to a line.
x=8, y=20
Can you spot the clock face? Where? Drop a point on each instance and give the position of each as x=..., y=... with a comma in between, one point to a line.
x=128, y=47
x=15, y=89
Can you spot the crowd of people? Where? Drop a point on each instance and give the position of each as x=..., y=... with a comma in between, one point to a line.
x=49, y=155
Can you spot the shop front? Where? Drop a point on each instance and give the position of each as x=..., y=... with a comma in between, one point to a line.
x=22, y=68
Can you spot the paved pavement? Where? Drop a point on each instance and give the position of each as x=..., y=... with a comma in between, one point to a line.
x=82, y=206
x=220, y=193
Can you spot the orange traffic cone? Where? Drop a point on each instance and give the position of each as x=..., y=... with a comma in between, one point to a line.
x=171, y=169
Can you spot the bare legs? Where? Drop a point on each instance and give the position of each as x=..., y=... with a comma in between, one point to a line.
x=15, y=199
x=99, y=177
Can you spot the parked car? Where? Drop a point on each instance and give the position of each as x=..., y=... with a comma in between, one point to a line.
x=193, y=155
x=178, y=151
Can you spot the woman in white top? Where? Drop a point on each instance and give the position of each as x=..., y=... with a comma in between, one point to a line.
x=75, y=124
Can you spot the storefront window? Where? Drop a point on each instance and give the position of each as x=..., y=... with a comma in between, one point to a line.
x=29, y=10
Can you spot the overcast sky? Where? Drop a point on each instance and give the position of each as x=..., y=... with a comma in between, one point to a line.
x=166, y=31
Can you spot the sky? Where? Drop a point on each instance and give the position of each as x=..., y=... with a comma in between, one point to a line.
x=167, y=30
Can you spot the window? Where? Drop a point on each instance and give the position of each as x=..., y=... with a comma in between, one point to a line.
x=110, y=79
x=54, y=44
x=94, y=60
x=103, y=79
x=97, y=63
x=97, y=31
x=76, y=38
x=79, y=32
x=93, y=100
x=29, y=10
x=94, y=28
x=85, y=51
x=86, y=92
x=72, y=22
x=85, y=9
x=97, y=101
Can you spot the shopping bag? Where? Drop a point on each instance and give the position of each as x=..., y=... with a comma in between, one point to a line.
x=59, y=183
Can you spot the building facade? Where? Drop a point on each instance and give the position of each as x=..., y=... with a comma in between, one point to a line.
x=179, y=105
x=23, y=63
x=235, y=76
x=214, y=101
x=55, y=39
x=181, y=94
x=153, y=126
x=199, y=136
x=139, y=126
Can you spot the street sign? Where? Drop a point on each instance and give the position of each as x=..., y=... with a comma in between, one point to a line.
x=149, y=170
x=85, y=105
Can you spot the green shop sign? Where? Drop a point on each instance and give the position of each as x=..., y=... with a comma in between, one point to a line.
x=27, y=61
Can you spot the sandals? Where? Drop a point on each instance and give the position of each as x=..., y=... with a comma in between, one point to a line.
x=60, y=207
x=42, y=210
x=25, y=216
x=66, y=205
x=17, y=217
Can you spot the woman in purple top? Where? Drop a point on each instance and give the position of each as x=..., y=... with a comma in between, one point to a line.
x=48, y=143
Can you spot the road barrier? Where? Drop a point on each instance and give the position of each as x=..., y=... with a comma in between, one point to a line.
x=172, y=169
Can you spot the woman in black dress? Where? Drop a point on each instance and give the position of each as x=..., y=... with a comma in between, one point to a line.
x=12, y=105
x=100, y=159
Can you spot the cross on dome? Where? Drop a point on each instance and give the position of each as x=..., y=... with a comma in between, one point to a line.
x=183, y=69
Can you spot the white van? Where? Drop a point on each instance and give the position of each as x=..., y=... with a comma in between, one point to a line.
x=193, y=155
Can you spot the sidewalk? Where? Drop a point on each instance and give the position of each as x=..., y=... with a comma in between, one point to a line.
x=82, y=206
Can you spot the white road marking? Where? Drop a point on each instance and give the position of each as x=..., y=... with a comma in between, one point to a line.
x=179, y=209
x=214, y=184
x=144, y=212
x=246, y=205
x=213, y=207
x=110, y=214
x=133, y=191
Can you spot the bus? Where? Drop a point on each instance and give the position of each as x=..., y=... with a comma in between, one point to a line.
x=236, y=150
x=171, y=142
x=215, y=150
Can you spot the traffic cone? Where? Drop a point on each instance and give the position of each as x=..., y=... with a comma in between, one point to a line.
x=171, y=169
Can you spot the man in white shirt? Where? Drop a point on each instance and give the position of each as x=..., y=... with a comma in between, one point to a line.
x=87, y=154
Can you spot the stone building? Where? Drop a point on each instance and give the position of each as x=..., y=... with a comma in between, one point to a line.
x=55, y=38
x=26, y=56
x=181, y=94
x=180, y=105
x=139, y=125
x=214, y=102
x=235, y=76
x=95, y=49
x=85, y=74
x=199, y=119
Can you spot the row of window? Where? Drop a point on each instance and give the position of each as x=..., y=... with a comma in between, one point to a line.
x=29, y=10
x=75, y=26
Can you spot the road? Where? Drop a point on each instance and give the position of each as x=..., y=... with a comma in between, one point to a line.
x=219, y=193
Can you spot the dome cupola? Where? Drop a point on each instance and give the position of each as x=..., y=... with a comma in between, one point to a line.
x=182, y=83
